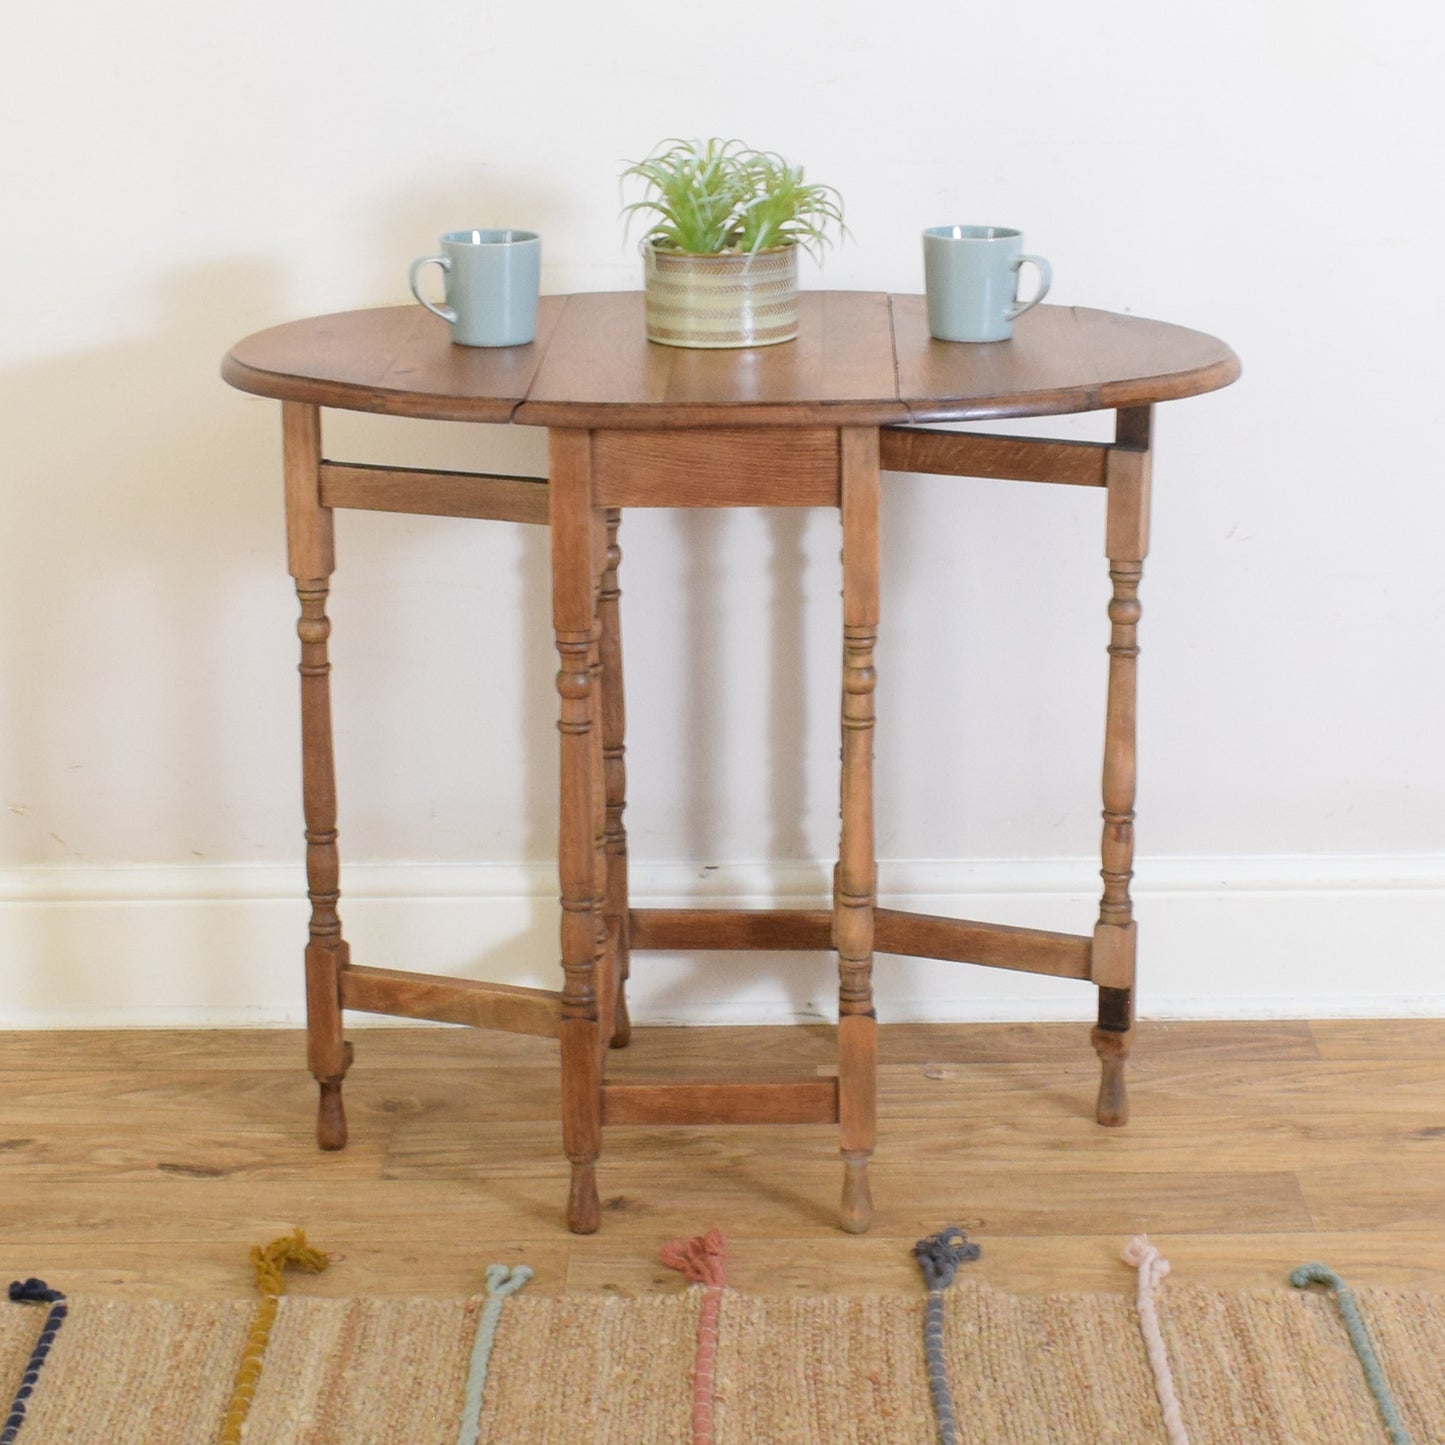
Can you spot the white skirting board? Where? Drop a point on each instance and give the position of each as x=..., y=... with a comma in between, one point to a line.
x=1232, y=937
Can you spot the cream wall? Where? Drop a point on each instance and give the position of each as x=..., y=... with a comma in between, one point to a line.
x=177, y=175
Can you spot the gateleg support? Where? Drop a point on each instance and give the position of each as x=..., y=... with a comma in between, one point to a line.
x=614, y=771
x=311, y=557
x=1127, y=480
x=578, y=557
x=855, y=881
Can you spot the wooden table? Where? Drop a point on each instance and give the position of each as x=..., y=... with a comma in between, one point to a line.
x=810, y=423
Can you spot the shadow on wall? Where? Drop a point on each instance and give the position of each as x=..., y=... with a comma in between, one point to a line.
x=148, y=667
x=137, y=529
x=740, y=778
x=136, y=544
x=147, y=683
x=149, y=702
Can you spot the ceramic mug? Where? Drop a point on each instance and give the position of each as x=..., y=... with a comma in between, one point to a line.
x=492, y=281
x=971, y=274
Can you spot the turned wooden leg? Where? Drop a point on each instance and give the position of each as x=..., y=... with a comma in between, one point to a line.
x=312, y=560
x=326, y=951
x=855, y=880
x=1115, y=933
x=614, y=770
x=575, y=527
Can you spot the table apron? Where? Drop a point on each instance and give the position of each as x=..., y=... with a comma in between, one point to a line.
x=717, y=467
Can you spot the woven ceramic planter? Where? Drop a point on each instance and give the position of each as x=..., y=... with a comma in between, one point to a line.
x=721, y=301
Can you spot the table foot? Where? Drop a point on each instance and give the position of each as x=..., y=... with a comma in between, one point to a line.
x=330, y=1112
x=1112, y=1048
x=331, y=1116
x=584, y=1209
x=621, y=1021
x=857, y=1197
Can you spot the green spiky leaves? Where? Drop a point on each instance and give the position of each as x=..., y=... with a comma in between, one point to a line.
x=714, y=196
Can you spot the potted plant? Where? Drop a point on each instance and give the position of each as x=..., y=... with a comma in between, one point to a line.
x=721, y=255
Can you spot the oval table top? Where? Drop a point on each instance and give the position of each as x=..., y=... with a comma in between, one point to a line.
x=861, y=358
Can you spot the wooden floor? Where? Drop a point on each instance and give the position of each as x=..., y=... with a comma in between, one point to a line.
x=150, y=1162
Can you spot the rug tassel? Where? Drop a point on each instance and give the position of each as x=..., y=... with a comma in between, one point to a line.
x=939, y=1257
x=502, y=1283
x=1152, y=1267
x=1303, y=1278
x=702, y=1260
x=269, y=1262
x=33, y=1291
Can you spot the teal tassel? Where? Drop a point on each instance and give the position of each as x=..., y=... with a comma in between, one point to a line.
x=501, y=1282
x=1303, y=1278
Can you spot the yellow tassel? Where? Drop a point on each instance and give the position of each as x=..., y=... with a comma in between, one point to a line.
x=270, y=1262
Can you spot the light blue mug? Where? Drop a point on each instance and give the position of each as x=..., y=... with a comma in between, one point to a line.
x=971, y=274
x=492, y=282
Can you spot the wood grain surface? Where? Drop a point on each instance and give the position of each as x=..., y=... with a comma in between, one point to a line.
x=861, y=359
x=601, y=371
x=1061, y=359
x=397, y=360
x=138, y=1162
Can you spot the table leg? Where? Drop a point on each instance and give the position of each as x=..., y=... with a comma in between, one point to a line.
x=614, y=767
x=1115, y=933
x=855, y=881
x=312, y=559
x=575, y=528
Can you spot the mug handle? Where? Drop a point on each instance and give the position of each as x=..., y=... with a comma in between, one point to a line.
x=1046, y=278
x=445, y=312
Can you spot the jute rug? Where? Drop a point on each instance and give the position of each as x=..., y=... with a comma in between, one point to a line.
x=1250, y=1369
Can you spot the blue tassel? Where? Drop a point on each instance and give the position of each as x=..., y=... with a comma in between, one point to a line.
x=33, y=1291
x=939, y=1257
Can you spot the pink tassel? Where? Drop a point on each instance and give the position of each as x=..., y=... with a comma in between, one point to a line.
x=1152, y=1267
x=700, y=1260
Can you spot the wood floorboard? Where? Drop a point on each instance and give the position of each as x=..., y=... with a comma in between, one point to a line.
x=375, y=1097
x=1408, y=1198
x=138, y=1162
x=1376, y=1039
x=76, y=1152
x=792, y=1198
x=1025, y=1264
x=1164, y=1088
x=426, y=1149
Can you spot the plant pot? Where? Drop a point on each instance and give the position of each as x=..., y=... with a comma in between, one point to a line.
x=715, y=302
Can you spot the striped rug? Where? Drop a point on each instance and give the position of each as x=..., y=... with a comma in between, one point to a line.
x=1067, y=1370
